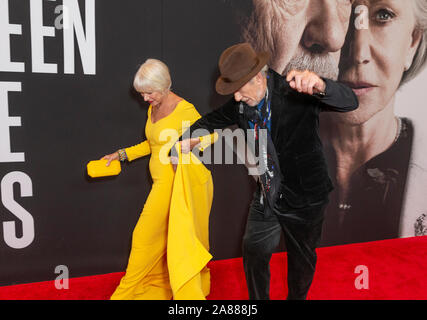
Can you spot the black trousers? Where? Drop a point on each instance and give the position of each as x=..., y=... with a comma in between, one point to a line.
x=302, y=230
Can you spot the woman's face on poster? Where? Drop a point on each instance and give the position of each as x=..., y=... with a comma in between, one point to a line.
x=380, y=46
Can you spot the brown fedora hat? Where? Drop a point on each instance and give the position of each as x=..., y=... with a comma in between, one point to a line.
x=237, y=65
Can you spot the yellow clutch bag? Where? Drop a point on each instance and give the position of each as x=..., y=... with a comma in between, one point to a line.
x=98, y=168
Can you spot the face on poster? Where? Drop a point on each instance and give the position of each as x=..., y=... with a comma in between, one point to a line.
x=378, y=48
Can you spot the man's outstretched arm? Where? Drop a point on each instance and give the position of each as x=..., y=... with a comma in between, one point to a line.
x=223, y=117
x=333, y=96
x=337, y=97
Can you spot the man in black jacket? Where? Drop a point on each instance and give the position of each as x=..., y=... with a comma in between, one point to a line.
x=293, y=189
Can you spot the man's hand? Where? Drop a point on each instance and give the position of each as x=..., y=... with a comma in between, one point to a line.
x=306, y=82
x=188, y=144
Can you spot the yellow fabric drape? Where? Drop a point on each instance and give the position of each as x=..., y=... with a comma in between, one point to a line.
x=188, y=231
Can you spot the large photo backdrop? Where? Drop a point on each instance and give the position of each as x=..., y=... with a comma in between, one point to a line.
x=66, y=97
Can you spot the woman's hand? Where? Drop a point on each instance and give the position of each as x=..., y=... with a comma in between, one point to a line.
x=110, y=157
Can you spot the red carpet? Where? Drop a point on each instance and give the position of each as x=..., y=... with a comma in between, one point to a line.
x=397, y=271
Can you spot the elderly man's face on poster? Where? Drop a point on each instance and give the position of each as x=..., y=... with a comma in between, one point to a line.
x=300, y=34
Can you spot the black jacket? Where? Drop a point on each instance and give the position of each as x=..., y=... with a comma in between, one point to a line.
x=294, y=131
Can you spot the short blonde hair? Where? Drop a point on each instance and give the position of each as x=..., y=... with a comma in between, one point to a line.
x=153, y=75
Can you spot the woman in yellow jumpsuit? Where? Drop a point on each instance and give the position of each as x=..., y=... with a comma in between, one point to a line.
x=147, y=274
